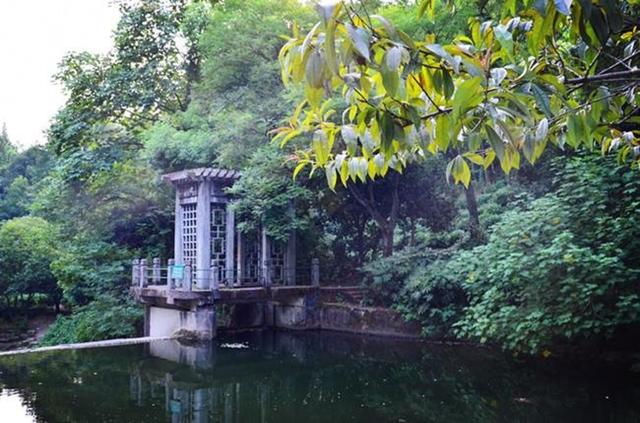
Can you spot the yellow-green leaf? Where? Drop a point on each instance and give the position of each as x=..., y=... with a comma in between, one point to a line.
x=467, y=95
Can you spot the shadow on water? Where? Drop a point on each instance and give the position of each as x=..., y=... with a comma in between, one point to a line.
x=311, y=377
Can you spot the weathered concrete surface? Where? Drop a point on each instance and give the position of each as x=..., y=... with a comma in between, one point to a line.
x=366, y=320
x=342, y=294
x=242, y=316
x=301, y=311
x=201, y=321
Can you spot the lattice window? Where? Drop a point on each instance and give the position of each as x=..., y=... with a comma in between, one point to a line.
x=277, y=262
x=189, y=223
x=252, y=256
x=219, y=238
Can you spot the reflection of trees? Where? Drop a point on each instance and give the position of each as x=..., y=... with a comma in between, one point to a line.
x=308, y=377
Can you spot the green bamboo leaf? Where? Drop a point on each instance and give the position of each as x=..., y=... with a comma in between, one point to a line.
x=298, y=168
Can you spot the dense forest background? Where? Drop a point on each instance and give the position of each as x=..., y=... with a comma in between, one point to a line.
x=541, y=260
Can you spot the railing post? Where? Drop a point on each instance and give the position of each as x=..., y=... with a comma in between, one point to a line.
x=188, y=275
x=143, y=273
x=170, y=282
x=135, y=272
x=155, y=274
x=315, y=272
x=214, y=280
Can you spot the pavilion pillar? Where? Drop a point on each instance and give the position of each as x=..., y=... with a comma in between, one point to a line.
x=177, y=234
x=239, y=258
x=203, y=236
x=230, y=247
x=290, y=259
x=265, y=259
x=290, y=251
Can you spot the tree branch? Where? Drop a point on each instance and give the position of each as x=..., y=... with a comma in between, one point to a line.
x=605, y=77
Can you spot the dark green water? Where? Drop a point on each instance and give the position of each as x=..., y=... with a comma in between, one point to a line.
x=310, y=377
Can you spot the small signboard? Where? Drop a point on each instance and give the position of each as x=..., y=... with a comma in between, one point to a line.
x=175, y=406
x=177, y=271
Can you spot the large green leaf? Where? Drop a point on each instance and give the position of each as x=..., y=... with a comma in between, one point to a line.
x=496, y=142
x=393, y=58
x=391, y=81
x=360, y=39
x=542, y=100
x=315, y=70
x=466, y=96
x=387, y=130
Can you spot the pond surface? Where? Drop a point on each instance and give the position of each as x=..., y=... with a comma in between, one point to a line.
x=307, y=377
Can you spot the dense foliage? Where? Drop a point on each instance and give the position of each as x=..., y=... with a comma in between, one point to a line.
x=558, y=270
x=27, y=248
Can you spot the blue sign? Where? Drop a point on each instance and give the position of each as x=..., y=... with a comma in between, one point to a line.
x=175, y=406
x=177, y=271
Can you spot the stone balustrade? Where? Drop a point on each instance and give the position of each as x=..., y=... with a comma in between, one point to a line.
x=186, y=277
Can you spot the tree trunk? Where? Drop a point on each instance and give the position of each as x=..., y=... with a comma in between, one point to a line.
x=386, y=226
x=387, y=239
x=474, y=220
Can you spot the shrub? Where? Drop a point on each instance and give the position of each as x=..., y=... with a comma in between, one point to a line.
x=533, y=286
x=105, y=318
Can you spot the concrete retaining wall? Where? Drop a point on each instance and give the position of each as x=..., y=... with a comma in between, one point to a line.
x=296, y=308
x=366, y=320
x=305, y=315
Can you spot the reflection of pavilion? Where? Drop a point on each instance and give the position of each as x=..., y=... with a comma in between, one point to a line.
x=283, y=377
x=184, y=382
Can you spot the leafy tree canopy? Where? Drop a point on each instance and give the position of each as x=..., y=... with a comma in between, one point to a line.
x=27, y=248
x=561, y=72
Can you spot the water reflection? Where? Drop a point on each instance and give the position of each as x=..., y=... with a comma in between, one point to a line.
x=311, y=377
x=12, y=408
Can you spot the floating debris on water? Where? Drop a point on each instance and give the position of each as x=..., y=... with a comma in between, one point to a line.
x=234, y=346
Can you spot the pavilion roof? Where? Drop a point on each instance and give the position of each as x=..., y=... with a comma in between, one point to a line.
x=201, y=173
